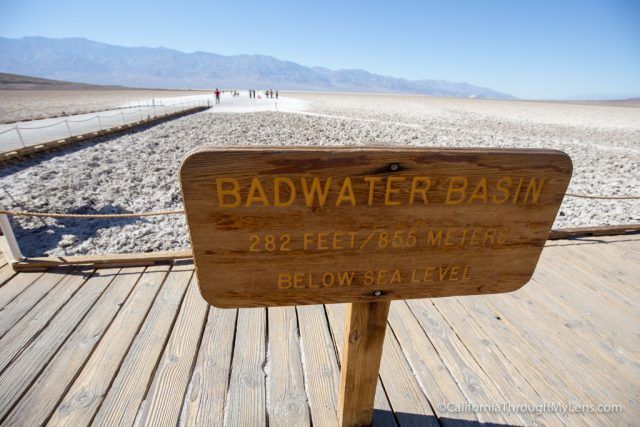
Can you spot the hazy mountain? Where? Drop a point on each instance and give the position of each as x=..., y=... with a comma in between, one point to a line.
x=86, y=61
x=19, y=82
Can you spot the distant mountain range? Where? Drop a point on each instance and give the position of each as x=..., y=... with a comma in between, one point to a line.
x=18, y=82
x=86, y=61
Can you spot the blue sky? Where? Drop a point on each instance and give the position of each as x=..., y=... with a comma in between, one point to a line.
x=531, y=49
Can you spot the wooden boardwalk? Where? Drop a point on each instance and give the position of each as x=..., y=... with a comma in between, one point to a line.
x=136, y=345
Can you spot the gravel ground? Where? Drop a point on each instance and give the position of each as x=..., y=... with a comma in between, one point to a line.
x=137, y=171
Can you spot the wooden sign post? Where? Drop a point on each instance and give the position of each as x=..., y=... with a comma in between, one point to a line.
x=365, y=226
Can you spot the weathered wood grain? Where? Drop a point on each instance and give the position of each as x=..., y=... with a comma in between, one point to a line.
x=401, y=394
x=501, y=371
x=287, y=401
x=292, y=227
x=85, y=395
x=43, y=396
x=207, y=393
x=246, y=404
x=581, y=353
x=6, y=273
x=565, y=335
x=13, y=287
x=430, y=371
x=29, y=363
x=589, y=303
x=166, y=395
x=33, y=322
x=533, y=358
x=123, y=400
x=30, y=295
x=474, y=382
x=382, y=411
x=364, y=333
x=322, y=377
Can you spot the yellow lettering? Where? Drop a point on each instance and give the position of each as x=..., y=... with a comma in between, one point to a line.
x=372, y=183
x=395, y=278
x=284, y=281
x=233, y=192
x=310, y=193
x=382, y=277
x=434, y=239
x=535, y=192
x=480, y=191
x=256, y=186
x=390, y=190
x=426, y=181
x=503, y=187
x=297, y=280
x=337, y=241
x=457, y=185
x=322, y=241
x=307, y=239
x=328, y=279
x=515, y=196
x=345, y=278
x=368, y=278
x=428, y=274
x=276, y=191
x=346, y=188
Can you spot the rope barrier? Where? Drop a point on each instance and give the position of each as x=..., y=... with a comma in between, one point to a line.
x=588, y=196
x=63, y=215
x=13, y=128
x=83, y=120
x=40, y=127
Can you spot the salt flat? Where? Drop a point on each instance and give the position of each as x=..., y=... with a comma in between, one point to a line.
x=19, y=105
x=137, y=171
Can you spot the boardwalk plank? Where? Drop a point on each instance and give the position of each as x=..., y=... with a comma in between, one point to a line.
x=83, y=399
x=123, y=399
x=474, y=382
x=16, y=286
x=29, y=296
x=570, y=336
x=33, y=322
x=43, y=396
x=6, y=274
x=287, y=403
x=28, y=364
x=432, y=374
x=580, y=329
x=531, y=359
x=207, y=394
x=606, y=276
x=572, y=291
x=246, y=402
x=485, y=351
x=575, y=358
x=322, y=376
x=166, y=394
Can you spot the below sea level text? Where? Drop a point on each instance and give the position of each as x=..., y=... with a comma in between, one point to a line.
x=378, y=277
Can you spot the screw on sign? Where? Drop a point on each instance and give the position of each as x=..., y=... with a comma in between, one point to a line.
x=365, y=226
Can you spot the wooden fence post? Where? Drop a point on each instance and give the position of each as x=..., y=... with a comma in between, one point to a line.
x=365, y=326
x=8, y=242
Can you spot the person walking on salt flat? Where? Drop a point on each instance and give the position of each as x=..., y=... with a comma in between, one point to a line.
x=217, y=92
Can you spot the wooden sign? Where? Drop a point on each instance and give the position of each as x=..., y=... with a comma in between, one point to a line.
x=276, y=226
